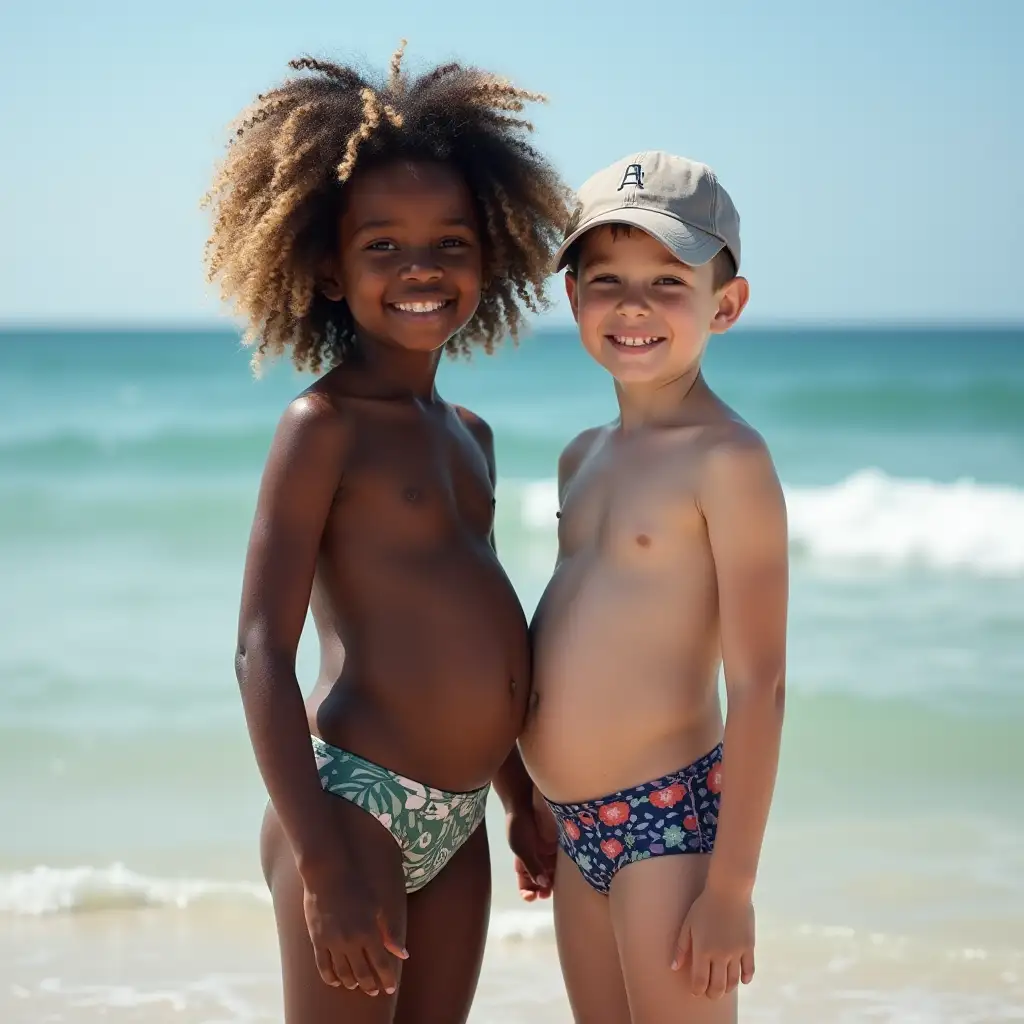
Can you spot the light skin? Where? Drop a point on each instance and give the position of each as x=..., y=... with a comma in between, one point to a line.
x=672, y=565
x=376, y=513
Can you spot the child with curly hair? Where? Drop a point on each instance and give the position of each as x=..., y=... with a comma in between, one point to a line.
x=364, y=227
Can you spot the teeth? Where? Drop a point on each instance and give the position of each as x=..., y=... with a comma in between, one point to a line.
x=420, y=307
x=632, y=342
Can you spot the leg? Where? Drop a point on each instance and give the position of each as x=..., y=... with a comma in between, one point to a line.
x=446, y=933
x=587, y=949
x=649, y=900
x=307, y=998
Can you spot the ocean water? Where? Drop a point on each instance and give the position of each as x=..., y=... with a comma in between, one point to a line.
x=892, y=882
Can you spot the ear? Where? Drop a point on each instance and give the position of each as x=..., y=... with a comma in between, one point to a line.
x=572, y=290
x=329, y=280
x=732, y=300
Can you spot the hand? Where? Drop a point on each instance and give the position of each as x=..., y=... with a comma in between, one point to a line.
x=716, y=943
x=532, y=835
x=356, y=922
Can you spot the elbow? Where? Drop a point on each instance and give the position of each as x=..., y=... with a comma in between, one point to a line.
x=241, y=662
x=764, y=693
x=249, y=654
x=778, y=692
x=259, y=660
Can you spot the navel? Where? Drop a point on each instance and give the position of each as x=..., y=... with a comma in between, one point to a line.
x=643, y=540
x=411, y=494
x=558, y=514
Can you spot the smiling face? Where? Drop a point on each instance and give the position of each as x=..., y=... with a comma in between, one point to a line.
x=409, y=260
x=643, y=315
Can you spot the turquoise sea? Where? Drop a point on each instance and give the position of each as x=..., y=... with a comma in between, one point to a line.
x=892, y=886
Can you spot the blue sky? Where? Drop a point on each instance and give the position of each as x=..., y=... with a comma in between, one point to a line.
x=875, y=149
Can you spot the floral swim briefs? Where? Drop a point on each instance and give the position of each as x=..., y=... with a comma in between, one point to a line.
x=428, y=824
x=674, y=814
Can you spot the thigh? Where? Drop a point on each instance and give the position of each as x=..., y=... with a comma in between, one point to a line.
x=445, y=937
x=649, y=900
x=587, y=949
x=307, y=997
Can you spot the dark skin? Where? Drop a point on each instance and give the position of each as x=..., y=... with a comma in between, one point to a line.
x=376, y=512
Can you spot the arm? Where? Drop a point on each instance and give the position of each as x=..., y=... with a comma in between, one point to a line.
x=298, y=486
x=356, y=918
x=745, y=511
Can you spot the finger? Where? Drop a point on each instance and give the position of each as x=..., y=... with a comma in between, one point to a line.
x=393, y=936
x=718, y=977
x=523, y=879
x=732, y=976
x=701, y=973
x=325, y=965
x=384, y=966
x=683, y=948
x=364, y=975
x=747, y=967
x=343, y=968
x=533, y=879
x=548, y=860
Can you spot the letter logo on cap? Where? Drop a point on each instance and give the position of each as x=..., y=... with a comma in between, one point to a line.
x=634, y=176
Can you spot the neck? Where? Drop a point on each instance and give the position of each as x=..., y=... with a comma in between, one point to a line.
x=398, y=372
x=652, y=405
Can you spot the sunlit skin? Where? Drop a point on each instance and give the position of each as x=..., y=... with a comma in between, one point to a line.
x=408, y=238
x=376, y=512
x=630, y=288
x=672, y=566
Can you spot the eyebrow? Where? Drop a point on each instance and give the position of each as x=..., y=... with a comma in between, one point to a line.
x=378, y=225
x=674, y=264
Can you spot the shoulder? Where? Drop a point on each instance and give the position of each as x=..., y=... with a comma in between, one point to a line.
x=576, y=451
x=737, y=468
x=314, y=431
x=477, y=426
x=481, y=432
x=315, y=414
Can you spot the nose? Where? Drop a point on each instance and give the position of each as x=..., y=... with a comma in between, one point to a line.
x=423, y=267
x=633, y=303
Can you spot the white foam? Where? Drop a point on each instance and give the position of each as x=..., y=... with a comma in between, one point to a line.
x=46, y=890
x=872, y=517
x=521, y=925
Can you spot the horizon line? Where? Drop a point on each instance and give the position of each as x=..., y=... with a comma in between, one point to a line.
x=168, y=326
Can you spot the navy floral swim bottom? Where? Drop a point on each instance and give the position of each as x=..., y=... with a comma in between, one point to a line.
x=675, y=814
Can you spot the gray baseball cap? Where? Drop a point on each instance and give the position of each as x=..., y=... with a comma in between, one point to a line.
x=677, y=201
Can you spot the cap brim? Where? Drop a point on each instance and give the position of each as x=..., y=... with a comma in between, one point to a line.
x=688, y=244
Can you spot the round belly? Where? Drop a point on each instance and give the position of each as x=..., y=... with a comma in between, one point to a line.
x=622, y=694
x=436, y=671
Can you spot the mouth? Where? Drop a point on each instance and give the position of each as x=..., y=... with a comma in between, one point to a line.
x=421, y=307
x=635, y=342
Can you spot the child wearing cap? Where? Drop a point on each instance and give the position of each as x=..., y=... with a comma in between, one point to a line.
x=672, y=565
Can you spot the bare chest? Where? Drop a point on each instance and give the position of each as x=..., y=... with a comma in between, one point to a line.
x=416, y=479
x=641, y=509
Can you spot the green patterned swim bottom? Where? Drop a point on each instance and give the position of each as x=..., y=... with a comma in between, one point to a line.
x=428, y=824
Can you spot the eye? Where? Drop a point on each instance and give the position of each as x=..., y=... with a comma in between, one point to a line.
x=670, y=280
x=453, y=243
x=604, y=279
x=381, y=245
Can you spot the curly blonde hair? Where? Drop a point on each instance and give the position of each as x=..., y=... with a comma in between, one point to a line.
x=277, y=197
